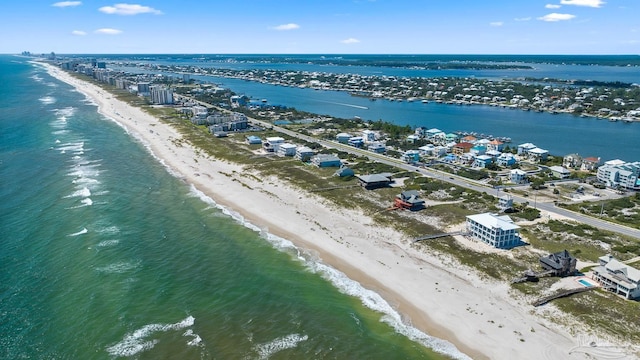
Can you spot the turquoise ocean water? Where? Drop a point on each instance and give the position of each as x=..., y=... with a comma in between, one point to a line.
x=104, y=254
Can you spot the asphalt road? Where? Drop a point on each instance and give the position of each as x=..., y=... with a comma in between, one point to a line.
x=450, y=178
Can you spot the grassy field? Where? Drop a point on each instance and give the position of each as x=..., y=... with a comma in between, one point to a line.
x=625, y=210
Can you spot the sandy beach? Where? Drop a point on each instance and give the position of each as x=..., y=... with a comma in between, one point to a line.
x=432, y=292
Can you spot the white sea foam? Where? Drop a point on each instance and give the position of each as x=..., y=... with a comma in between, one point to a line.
x=118, y=268
x=36, y=77
x=136, y=342
x=83, y=231
x=108, y=243
x=282, y=343
x=87, y=201
x=66, y=112
x=374, y=301
x=109, y=230
x=196, y=339
x=74, y=146
x=369, y=298
x=47, y=100
x=84, y=192
x=85, y=180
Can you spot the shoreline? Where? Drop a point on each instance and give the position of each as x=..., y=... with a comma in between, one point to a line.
x=425, y=288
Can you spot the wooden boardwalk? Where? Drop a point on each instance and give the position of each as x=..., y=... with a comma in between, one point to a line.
x=435, y=236
x=334, y=188
x=560, y=294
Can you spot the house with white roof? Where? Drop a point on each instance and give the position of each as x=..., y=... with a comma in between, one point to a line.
x=304, y=153
x=506, y=159
x=517, y=176
x=537, y=154
x=286, y=149
x=560, y=172
x=369, y=136
x=524, y=148
x=497, y=231
x=617, y=277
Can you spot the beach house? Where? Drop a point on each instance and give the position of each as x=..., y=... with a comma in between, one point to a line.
x=462, y=148
x=482, y=161
x=272, y=143
x=560, y=172
x=523, y=149
x=506, y=160
x=411, y=156
x=304, y=153
x=572, y=161
x=409, y=199
x=537, y=154
x=617, y=277
x=618, y=174
x=343, y=137
x=495, y=145
x=377, y=147
x=517, y=176
x=286, y=149
x=497, y=231
x=559, y=264
x=505, y=203
x=590, y=163
x=326, y=160
x=375, y=181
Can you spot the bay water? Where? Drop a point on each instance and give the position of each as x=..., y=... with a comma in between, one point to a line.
x=105, y=254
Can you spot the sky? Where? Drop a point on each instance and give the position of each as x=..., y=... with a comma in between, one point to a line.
x=321, y=27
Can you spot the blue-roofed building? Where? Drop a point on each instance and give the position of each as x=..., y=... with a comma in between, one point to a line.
x=252, y=140
x=482, y=161
x=411, y=156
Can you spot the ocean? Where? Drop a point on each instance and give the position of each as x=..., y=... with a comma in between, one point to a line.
x=105, y=254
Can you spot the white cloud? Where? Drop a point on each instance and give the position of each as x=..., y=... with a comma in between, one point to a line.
x=67, y=3
x=552, y=6
x=129, y=9
x=588, y=3
x=79, y=32
x=108, y=31
x=496, y=23
x=350, y=41
x=286, y=27
x=523, y=19
x=553, y=17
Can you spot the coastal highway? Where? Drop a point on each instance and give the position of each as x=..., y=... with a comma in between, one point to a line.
x=450, y=178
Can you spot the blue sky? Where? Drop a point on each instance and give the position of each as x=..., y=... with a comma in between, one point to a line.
x=323, y=26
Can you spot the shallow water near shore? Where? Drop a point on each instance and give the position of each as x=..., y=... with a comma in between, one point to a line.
x=104, y=254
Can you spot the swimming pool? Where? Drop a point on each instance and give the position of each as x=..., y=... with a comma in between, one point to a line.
x=585, y=283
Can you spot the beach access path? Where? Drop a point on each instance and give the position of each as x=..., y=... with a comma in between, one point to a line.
x=433, y=293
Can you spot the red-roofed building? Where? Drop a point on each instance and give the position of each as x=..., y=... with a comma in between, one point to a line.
x=590, y=163
x=461, y=148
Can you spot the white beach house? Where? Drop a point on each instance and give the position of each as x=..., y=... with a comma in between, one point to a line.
x=497, y=231
x=617, y=277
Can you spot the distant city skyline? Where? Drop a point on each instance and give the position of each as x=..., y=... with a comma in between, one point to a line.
x=323, y=27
